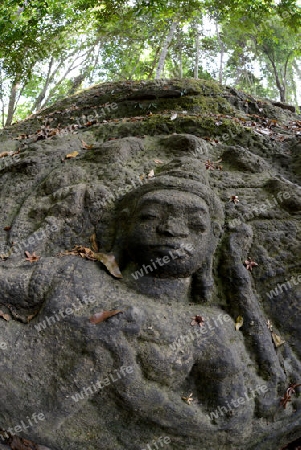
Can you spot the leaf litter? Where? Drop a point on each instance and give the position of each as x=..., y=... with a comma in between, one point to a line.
x=107, y=260
x=104, y=315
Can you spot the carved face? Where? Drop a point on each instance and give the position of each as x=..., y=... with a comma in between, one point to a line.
x=170, y=231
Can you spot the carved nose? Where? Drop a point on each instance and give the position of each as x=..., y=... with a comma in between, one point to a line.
x=173, y=227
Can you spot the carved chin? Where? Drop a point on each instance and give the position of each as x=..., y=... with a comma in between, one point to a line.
x=175, y=271
x=171, y=265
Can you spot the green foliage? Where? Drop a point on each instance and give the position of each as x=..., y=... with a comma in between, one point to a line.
x=51, y=48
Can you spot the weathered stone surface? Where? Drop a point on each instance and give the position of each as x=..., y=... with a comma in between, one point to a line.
x=120, y=384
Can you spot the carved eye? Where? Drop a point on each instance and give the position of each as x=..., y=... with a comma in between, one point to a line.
x=197, y=222
x=149, y=216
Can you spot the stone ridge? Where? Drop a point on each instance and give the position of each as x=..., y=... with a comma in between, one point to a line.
x=142, y=98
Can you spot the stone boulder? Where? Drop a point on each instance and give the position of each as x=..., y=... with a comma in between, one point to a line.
x=193, y=189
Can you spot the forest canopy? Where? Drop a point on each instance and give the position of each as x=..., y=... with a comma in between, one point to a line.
x=51, y=49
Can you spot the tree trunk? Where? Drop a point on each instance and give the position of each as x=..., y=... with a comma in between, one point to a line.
x=76, y=83
x=280, y=86
x=283, y=95
x=221, y=65
x=59, y=82
x=2, y=100
x=280, y=82
x=285, y=75
x=154, y=63
x=197, y=55
x=38, y=102
x=12, y=103
x=163, y=54
x=180, y=64
x=89, y=66
x=221, y=61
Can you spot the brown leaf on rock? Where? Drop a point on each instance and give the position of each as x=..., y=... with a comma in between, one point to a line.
x=3, y=154
x=209, y=165
x=104, y=315
x=107, y=259
x=31, y=257
x=29, y=318
x=94, y=243
x=72, y=155
x=86, y=146
x=80, y=250
x=10, y=153
x=249, y=263
x=272, y=123
x=288, y=394
x=110, y=262
x=188, y=399
x=18, y=443
x=269, y=325
x=87, y=253
x=277, y=340
x=234, y=199
x=7, y=228
x=239, y=323
x=5, y=316
x=197, y=320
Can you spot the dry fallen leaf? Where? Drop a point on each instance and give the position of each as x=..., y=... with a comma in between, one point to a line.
x=209, y=165
x=277, y=339
x=249, y=263
x=288, y=396
x=104, y=315
x=151, y=174
x=31, y=257
x=86, y=146
x=5, y=316
x=72, y=155
x=269, y=325
x=18, y=443
x=23, y=136
x=93, y=241
x=234, y=199
x=3, y=154
x=29, y=318
x=79, y=250
x=197, y=320
x=5, y=257
x=7, y=228
x=82, y=251
x=239, y=323
x=188, y=399
x=109, y=261
x=158, y=161
x=174, y=116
